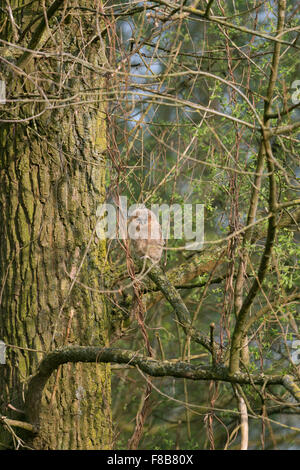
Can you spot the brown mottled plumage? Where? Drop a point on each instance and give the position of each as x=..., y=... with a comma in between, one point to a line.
x=145, y=235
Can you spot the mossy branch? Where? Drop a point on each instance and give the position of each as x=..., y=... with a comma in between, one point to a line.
x=150, y=366
x=17, y=424
x=157, y=275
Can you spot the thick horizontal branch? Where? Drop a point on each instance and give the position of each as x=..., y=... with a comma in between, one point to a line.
x=17, y=424
x=148, y=365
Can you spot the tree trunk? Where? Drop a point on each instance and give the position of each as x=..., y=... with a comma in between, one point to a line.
x=52, y=179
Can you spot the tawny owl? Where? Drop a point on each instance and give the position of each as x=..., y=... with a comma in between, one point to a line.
x=145, y=235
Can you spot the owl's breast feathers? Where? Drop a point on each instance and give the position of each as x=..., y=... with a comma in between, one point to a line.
x=145, y=235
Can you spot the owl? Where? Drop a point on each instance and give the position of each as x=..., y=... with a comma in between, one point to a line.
x=145, y=235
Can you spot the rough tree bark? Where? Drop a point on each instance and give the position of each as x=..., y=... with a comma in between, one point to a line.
x=52, y=178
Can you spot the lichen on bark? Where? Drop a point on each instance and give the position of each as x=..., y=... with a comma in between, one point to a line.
x=52, y=178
